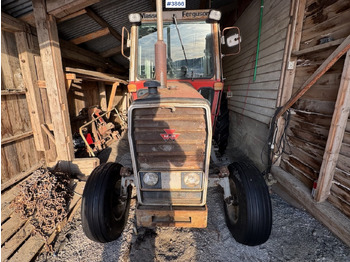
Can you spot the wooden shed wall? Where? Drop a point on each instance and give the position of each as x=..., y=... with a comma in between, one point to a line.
x=324, y=21
x=18, y=153
x=252, y=103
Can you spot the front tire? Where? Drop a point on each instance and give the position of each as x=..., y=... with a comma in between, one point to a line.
x=104, y=212
x=248, y=213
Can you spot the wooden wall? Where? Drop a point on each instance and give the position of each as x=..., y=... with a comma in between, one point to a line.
x=18, y=153
x=252, y=104
x=324, y=22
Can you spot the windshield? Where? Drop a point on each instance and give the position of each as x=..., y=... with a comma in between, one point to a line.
x=194, y=60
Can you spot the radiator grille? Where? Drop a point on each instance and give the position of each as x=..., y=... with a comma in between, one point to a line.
x=153, y=152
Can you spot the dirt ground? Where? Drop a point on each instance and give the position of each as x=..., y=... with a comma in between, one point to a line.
x=296, y=236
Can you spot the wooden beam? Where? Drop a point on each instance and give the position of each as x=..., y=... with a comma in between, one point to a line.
x=111, y=52
x=102, y=23
x=49, y=134
x=33, y=97
x=11, y=24
x=324, y=212
x=12, y=92
x=91, y=36
x=96, y=75
x=335, y=136
x=11, y=139
x=111, y=98
x=61, y=9
x=54, y=77
x=318, y=47
x=76, y=53
x=328, y=63
x=71, y=16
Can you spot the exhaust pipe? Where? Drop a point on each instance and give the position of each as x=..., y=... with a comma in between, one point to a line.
x=160, y=48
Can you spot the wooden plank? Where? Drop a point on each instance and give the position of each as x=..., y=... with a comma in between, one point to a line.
x=102, y=23
x=6, y=71
x=27, y=64
x=48, y=133
x=339, y=52
x=8, y=140
x=102, y=93
x=342, y=192
x=318, y=47
x=91, y=36
x=336, y=134
x=340, y=204
x=111, y=98
x=10, y=227
x=327, y=214
x=54, y=78
x=16, y=241
x=29, y=249
x=71, y=16
x=12, y=92
x=290, y=167
x=97, y=75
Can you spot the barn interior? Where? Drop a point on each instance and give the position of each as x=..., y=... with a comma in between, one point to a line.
x=287, y=95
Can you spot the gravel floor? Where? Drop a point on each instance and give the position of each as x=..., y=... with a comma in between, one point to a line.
x=296, y=236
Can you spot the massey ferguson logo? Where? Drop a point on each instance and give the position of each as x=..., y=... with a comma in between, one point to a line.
x=170, y=135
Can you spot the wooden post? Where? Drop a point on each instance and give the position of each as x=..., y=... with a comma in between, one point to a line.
x=288, y=74
x=336, y=134
x=102, y=93
x=55, y=81
x=111, y=97
x=27, y=64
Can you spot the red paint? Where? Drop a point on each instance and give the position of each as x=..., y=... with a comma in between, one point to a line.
x=170, y=135
x=197, y=84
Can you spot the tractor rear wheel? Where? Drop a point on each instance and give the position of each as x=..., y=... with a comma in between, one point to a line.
x=104, y=211
x=248, y=213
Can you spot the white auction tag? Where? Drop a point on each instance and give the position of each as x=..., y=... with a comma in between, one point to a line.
x=175, y=3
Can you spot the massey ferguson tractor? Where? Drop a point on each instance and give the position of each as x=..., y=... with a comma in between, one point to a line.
x=176, y=82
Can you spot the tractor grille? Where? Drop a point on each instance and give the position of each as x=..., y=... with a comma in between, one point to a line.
x=169, y=139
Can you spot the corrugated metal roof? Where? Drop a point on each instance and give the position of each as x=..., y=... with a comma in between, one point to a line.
x=78, y=26
x=16, y=8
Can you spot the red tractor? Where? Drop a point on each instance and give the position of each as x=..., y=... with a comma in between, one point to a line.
x=176, y=88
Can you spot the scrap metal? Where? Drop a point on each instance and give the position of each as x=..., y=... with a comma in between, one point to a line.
x=44, y=200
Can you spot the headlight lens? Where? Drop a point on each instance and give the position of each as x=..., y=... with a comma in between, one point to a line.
x=150, y=179
x=192, y=179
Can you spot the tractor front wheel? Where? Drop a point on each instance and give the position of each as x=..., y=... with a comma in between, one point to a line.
x=248, y=212
x=104, y=211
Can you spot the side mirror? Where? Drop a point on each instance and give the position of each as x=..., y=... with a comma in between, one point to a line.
x=231, y=41
x=127, y=42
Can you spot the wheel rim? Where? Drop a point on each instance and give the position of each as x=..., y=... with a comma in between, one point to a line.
x=233, y=206
x=118, y=203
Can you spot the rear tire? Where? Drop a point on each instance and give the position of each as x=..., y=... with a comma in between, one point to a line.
x=104, y=212
x=249, y=214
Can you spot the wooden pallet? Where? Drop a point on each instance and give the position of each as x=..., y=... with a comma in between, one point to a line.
x=17, y=241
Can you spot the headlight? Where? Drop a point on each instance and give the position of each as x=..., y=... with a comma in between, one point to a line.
x=150, y=179
x=191, y=179
x=215, y=15
x=134, y=18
